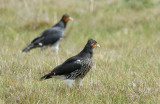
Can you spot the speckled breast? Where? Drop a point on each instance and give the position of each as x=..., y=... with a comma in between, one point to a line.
x=80, y=73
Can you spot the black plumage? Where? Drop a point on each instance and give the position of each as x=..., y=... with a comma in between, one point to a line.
x=51, y=36
x=75, y=68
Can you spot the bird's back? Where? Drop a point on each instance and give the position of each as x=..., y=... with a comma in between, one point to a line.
x=49, y=36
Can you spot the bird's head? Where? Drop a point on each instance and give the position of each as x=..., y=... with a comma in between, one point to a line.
x=88, y=49
x=66, y=18
x=92, y=43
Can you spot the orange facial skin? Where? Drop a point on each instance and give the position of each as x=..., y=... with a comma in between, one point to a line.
x=94, y=45
x=66, y=19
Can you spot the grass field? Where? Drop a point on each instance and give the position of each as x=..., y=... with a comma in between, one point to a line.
x=126, y=67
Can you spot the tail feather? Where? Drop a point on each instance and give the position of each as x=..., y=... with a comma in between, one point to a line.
x=28, y=48
x=47, y=76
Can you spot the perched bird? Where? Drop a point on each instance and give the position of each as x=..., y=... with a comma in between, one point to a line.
x=74, y=69
x=51, y=36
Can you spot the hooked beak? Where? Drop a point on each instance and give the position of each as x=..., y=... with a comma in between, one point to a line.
x=98, y=45
x=95, y=45
x=70, y=18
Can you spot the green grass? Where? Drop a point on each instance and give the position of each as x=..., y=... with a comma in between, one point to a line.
x=126, y=67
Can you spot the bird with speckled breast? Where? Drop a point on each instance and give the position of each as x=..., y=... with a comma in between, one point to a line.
x=74, y=69
x=51, y=36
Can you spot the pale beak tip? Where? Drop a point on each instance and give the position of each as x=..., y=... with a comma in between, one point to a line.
x=70, y=18
x=98, y=45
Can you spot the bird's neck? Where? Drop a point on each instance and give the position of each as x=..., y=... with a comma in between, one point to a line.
x=62, y=24
x=87, y=52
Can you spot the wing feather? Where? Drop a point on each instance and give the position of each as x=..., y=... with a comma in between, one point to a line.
x=49, y=36
x=67, y=67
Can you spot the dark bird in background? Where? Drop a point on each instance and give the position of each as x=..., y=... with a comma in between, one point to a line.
x=51, y=36
x=74, y=69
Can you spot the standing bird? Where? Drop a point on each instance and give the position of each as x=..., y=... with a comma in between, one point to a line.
x=51, y=36
x=74, y=69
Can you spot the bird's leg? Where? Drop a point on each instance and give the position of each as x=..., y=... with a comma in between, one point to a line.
x=57, y=55
x=69, y=82
x=78, y=82
x=57, y=50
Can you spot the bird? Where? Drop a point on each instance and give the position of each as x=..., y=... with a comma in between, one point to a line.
x=51, y=36
x=74, y=69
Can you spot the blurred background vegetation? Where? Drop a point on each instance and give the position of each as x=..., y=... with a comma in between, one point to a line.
x=126, y=67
